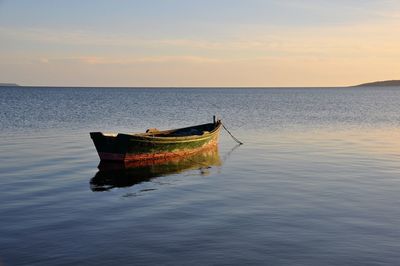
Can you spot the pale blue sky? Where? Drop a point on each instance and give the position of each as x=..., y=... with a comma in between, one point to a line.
x=177, y=17
x=194, y=43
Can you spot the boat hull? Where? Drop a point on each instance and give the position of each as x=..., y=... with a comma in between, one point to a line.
x=139, y=147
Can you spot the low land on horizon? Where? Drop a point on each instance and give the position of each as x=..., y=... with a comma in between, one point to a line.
x=384, y=83
x=9, y=85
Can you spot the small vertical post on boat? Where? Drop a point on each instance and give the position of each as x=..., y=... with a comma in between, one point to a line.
x=214, y=118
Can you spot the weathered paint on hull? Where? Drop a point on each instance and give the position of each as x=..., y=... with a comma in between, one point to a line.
x=107, y=156
x=206, y=156
x=136, y=148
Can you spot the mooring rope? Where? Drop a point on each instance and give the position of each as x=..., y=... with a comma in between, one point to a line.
x=233, y=137
x=226, y=156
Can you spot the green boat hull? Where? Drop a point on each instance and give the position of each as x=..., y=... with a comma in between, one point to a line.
x=156, y=144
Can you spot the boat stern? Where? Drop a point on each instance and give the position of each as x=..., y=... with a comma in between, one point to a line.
x=108, y=146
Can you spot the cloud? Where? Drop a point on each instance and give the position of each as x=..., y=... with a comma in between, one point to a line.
x=252, y=55
x=247, y=38
x=96, y=60
x=357, y=41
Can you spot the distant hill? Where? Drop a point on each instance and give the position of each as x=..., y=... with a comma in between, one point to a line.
x=8, y=85
x=386, y=83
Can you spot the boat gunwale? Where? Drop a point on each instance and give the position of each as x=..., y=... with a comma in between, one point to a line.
x=149, y=137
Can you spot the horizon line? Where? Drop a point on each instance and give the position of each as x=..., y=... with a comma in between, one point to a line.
x=177, y=87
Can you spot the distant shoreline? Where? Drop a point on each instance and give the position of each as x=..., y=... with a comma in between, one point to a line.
x=9, y=85
x=384, y=83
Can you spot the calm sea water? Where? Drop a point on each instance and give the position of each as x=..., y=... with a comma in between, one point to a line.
x=317, y=181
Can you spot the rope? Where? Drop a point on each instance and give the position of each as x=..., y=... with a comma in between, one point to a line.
x=233, y=137
x=226, y=156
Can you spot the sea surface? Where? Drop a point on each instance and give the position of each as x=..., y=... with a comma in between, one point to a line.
x=317, y=181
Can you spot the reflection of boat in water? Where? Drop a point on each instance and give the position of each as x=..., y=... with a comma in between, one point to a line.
x=129, y=173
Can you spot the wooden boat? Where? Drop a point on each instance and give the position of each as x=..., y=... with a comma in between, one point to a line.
x=117, y=174
x=155, y=144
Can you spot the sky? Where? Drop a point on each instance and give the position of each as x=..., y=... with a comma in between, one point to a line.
x=200, y=43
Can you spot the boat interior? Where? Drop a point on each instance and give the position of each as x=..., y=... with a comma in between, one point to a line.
x=181, y=132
